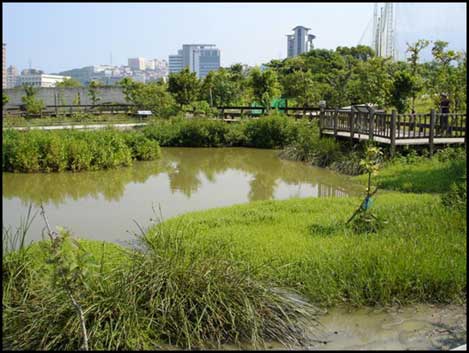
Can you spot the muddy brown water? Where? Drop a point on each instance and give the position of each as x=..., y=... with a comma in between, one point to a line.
x=103, y=205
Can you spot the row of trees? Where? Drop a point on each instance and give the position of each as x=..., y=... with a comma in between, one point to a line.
x=341, y=77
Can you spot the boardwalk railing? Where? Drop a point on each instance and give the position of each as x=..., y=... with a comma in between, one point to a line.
x=237, y=111
x=395, y=128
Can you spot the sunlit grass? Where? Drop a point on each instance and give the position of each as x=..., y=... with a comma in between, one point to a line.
x=420, y=255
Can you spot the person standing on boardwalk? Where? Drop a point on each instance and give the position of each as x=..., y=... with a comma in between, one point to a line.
x=444, y=111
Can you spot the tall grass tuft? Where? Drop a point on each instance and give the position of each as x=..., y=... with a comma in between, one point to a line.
x=163, y=292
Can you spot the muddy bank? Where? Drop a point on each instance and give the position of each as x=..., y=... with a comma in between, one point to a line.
x=404, y=328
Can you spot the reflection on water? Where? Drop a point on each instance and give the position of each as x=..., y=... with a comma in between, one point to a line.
x=102, y=204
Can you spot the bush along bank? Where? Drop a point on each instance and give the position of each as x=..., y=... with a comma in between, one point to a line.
x=57, y=151
x=325, y=152
x=274, y=131
x=411, y=170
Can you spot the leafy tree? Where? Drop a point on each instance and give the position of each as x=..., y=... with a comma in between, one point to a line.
x=302, y=87
x=264, y=86
x=155, y=97
x=360, y=52
x=414, y=50
x=184, y=86
x=93, y=92
x=129, y=88
x=77, y=99
x=69, y=82
x=236, y=70
x=5, y=99
x=460, y=81
x=32, y=104
x=363, y=219
x=401, y=90
x=446, y=81
x=238, y=78
x=152, y=96
x=221, y=87
x=372, y=82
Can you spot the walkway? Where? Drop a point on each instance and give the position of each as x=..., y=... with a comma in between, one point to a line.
x=79, y=127
x=395, y=129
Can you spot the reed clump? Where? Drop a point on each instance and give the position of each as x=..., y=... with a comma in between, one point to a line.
x=162, y=292
x=71, y=150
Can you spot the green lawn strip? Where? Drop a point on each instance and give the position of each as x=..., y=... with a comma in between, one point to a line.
x=79, y=119
x=420, y=256
x=420, y=176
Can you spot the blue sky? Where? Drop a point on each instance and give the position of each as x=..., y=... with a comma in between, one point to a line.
x=61, y=36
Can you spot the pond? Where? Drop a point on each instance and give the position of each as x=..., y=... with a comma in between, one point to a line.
x=103, y=205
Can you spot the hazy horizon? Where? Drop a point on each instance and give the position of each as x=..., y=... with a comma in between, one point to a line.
x=62, y=36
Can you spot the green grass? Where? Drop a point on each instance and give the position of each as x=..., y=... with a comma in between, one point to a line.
x=421, y=174
x=424, y=105
x=160, y=294
x=419, y=256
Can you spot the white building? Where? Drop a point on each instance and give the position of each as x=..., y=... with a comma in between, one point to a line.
x=12, y=76
x=40, y=80
x=136, y=63
x=141, y=64
x=199, y=58
x=299, y=42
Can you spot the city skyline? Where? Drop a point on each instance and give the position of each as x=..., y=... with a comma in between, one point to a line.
x=246, y=33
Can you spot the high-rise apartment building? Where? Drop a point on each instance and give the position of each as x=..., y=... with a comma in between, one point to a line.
x=4, y=66
x=299, y=42
x=199, y=58
x=176, y=62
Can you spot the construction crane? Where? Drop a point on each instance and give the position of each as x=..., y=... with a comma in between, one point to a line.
x=383, y=32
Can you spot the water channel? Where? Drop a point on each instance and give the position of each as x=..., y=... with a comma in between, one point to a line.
x=102, y=205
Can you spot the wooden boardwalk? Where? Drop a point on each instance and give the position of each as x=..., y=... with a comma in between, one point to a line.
x=78, y=126
x=395, y=129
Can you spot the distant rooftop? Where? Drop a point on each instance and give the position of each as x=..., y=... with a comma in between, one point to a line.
x=201, y=45
x=301, y=27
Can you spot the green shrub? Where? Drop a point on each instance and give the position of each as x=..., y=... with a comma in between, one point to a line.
x=456, y=197
x=143, y=148
x=25, y=154
x=80, y=155
x=325, y=151
x=273, y=131
x=55, y=151
x=235, y=136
